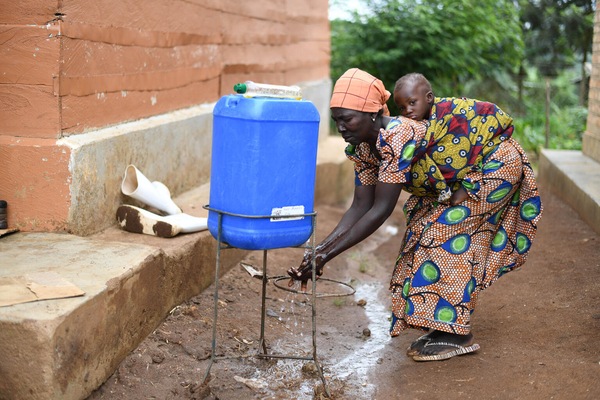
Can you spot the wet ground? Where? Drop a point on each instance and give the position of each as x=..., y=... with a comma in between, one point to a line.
x=539, y=330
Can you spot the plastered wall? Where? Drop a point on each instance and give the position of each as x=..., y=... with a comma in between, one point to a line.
x=71, y=67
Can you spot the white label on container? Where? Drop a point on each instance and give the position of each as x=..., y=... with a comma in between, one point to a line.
x=289, y=210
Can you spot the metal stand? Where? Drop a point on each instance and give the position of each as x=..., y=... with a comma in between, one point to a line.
x=262, y=347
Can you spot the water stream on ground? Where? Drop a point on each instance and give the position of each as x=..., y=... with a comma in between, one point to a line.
x=354, y=367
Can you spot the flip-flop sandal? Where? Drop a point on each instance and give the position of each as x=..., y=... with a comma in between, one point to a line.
x=411, y=352
x=460, y=350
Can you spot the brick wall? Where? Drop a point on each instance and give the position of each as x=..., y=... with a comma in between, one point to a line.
x=72, y=66
x=591, y=138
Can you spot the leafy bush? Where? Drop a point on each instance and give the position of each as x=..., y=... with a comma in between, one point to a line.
x=567, y=118
x=566, y=128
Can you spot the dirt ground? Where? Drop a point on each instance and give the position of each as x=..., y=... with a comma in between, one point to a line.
x=539, y=330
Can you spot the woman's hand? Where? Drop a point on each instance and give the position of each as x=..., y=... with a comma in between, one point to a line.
x=458, y=197
x=304, y=271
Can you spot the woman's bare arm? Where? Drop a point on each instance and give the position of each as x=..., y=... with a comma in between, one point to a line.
x=362, y=202
x=371, y=207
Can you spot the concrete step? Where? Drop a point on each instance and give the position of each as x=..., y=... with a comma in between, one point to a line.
x=66, y=348
x=575, y=178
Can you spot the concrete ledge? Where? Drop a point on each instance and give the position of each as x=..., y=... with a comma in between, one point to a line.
x=51, y=348
x=173, y=148
x=575, y=178
x=66, y=348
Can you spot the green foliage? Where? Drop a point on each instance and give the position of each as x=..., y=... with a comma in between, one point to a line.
x=493, y=50
x=557, y=32
x=566, y=128
x=567, y=119
x=558, y=35
x=449, y=41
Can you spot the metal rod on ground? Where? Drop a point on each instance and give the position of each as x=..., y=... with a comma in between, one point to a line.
x=214, y=333
x=547, y=111
x=314, y=294
x=314, y=305
x=284, y=356
x=262, y=344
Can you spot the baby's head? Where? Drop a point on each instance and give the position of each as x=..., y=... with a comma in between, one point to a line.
x=413, y=96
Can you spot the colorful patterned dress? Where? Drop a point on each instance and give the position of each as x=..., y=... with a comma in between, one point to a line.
x=449, y=254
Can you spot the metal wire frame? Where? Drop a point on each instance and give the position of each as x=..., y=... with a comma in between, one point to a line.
x=262, y=344
x=319, y=295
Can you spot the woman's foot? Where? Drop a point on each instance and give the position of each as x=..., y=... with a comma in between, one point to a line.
x=444, y=345
x=437, y=336
x=418, y=344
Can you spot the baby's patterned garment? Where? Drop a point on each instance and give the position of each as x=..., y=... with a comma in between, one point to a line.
x=460, y=133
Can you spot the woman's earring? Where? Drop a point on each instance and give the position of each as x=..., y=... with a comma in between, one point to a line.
x=373, y=119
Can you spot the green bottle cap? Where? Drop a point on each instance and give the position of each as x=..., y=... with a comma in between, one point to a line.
x=240, y=88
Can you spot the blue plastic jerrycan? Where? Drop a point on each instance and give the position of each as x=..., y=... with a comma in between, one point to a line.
x=264, y=155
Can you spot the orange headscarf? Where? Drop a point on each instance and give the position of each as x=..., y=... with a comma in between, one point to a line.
x=360, y=91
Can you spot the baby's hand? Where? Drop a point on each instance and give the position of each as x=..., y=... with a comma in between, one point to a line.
x=458, y=197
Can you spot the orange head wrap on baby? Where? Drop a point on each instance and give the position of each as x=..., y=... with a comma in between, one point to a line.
x=358, y=90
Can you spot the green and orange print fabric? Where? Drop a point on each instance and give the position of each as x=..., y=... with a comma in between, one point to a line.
x=396, y=145
x=450, y=253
